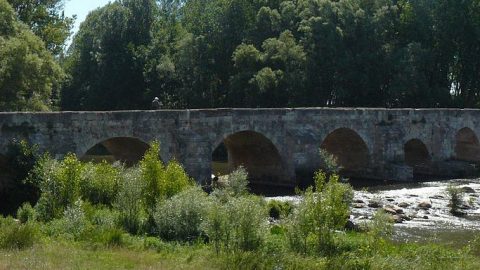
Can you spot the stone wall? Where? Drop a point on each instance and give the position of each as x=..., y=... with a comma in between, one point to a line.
x=191, y=136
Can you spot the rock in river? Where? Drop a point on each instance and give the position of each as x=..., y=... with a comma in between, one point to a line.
x=426, y=204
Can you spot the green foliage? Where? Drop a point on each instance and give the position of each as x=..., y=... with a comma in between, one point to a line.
x=176, y=179
x=19, y=161
x=455, y=195
x=107, y=58
x=99, y=183
x=129, y=202
x=240, y=224
x=236, y=185
x=59, y=183
x=28, y=71
x=381, y=225
x=179, y=218
x=26, y=213
x=64, y=182
x=161, y=182
x=153, y=172
x=247, y=216
x=46, y=20
x=330, y=162
x=238, y=53
x=279, y=209
x=17, y=236
x=319, y=215
x=75, y=220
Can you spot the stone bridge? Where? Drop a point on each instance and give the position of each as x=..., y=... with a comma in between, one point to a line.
x=278, y=147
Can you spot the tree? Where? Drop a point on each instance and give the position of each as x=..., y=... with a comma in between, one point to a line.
x=46, y=20
x=107, y=58
x=28, y=71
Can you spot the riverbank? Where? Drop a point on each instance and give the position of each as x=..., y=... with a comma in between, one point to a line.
x=431, y=222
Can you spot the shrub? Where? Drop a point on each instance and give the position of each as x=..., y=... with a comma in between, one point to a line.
x=320, y=214
x=161, y=182
x=455, y=195
x=152, y=174
x=239, y=224
x=381, y=225
x=235, y=186
x=129, y=202
x=100, y=183
x=180, y=217
x=217, y=226
x=76, y=222
x=248, y=221
x=103, y=218
x=176, y=179
x=59, y=185
x=278, y=209
x=19, y=160
x=238, y=182
x=17, y=236
x=329, y=162
x=26, y=213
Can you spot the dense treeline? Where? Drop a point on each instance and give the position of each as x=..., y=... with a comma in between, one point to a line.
x=274, y=53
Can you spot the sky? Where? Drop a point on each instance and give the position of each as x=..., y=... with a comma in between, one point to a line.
x=81, y=8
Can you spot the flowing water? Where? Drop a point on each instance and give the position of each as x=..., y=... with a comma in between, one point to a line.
x=420, y=223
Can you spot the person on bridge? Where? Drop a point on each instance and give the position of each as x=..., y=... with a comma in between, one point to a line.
x=156, y=104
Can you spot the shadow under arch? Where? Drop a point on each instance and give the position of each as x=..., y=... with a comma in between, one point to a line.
x=256, y=153
x=128, y=150
x=349, y=149
x=418, y=157
x=467, y=147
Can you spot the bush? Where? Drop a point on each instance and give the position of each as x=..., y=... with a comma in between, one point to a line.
x=455, y=195
x=152, y=174
x=239, y=224
x=278, y=209
x=129, y=202
x=248, y=220
x=26, y=213
x=17, y=236
x=329, y=162
x=381, y=225
x=179, y=218
x=76, y=222
x=99, y=183
x=319, y=215
x=238, y=182
x=59, y=185
x=235, y=186
x=19, y=160
x=161, y=182
x=217, y=226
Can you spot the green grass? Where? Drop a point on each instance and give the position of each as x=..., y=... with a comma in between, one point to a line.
x=353, y=254
x=68, y=255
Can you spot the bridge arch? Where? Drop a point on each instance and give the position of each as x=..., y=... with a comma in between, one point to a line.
x=254, y=151
x=129, y=150
x=417, y=156
x=467, y=146
x=349, y=148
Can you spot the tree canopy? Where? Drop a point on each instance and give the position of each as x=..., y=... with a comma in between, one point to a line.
x=29, y=74
x=265, y=53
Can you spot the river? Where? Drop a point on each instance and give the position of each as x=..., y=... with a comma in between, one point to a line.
x=420, y=224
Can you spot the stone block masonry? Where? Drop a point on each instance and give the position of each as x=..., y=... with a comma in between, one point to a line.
x=277, y=146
